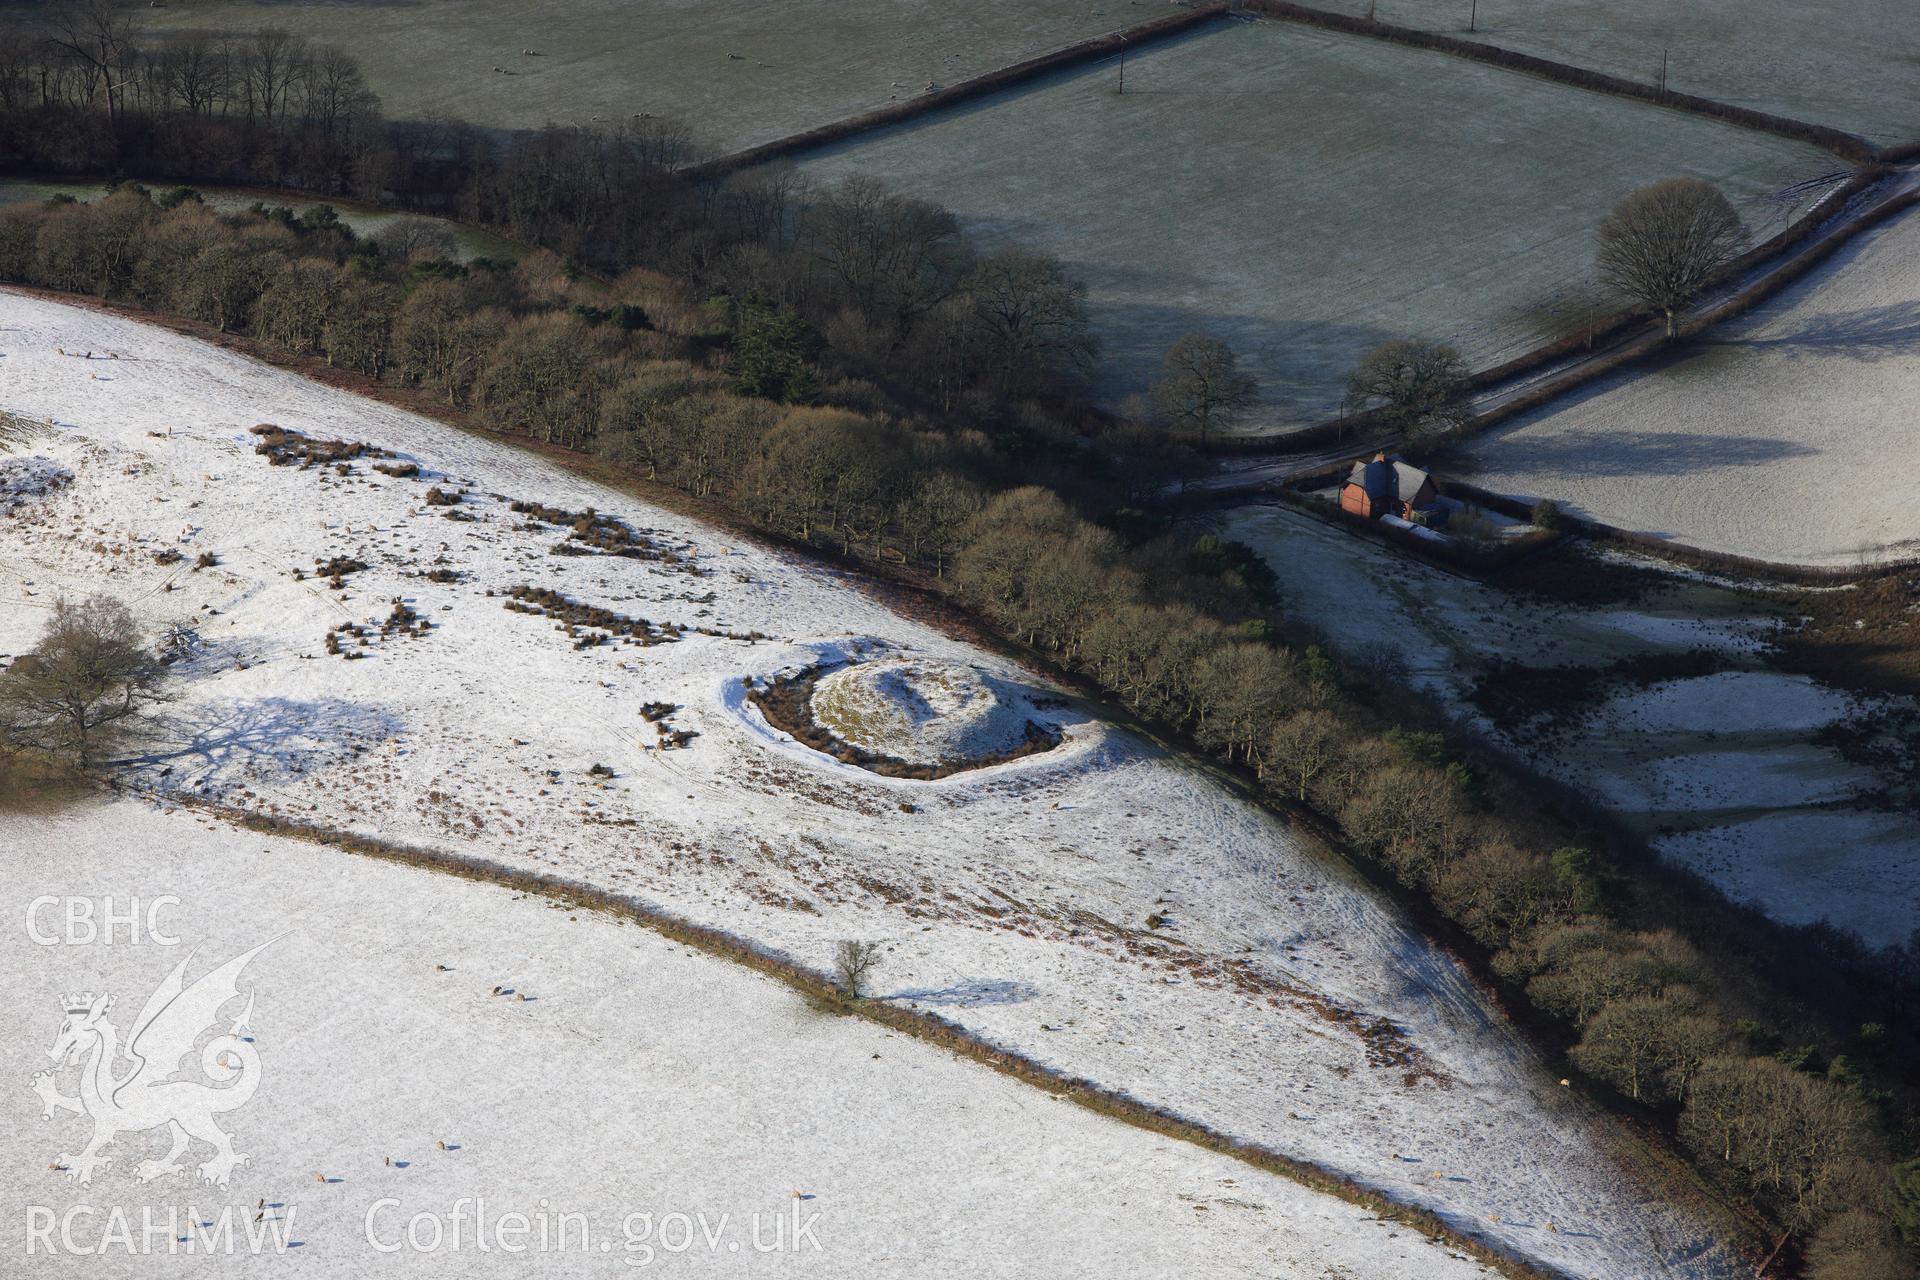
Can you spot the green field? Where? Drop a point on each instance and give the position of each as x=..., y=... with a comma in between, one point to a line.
x=801, y=63
x=1306, y=195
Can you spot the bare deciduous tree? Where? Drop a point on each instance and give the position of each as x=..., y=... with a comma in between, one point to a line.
x=1411, y=384
x=293, y=309
x=637, y=427
x=278, y=65
x=892, y=256
x=336, y=91
x=766, y=204
x=1798, y=1141
x=1649, y=1047
x=408, y=238
x=935, y=513
x=1032, y=317
x=90, y=674
x=1302, y=747
x=853, y=962
x=195, y=71
x=99, y=36
x=1201, y=386
x=1858, y=1244
x=1662, y=243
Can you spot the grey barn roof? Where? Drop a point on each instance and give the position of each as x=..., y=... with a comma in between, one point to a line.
x=1407, y=478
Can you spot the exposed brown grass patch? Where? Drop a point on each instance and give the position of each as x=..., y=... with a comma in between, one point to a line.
x=1865, y=638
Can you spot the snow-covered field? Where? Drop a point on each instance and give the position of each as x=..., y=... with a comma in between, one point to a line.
x=1846, y=63
x=637, y=1077
x=1780, y=435
x=1719, y=771
x=1305, y=196
x=1277, y=1000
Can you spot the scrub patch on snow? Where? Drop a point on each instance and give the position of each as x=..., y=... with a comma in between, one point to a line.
x=285, y=448
x=909, y=717
x=24, y=479
x=595, y=533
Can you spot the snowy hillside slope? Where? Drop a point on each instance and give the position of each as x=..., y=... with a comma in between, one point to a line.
x=1272, y=996
x=637, y=1078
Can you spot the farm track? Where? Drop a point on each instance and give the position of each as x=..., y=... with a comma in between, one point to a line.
x=1533, y=388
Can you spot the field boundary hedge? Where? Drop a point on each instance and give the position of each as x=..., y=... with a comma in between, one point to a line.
x=930, y=1028
x=1847, y=145
x=1088, y=50
x=1769, y=285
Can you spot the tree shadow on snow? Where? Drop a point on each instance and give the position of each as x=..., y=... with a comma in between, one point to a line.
x=1872, y=333
x=267, y=738
x=1650, y=454
x=972, y=995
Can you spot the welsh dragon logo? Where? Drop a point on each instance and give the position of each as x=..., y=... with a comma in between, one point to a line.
x=130, y=1089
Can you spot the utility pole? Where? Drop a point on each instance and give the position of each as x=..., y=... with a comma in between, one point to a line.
x=1663, y=73
x=1473, y=17
x=1123, y=71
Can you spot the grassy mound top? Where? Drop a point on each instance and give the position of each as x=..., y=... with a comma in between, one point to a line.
x=921, y=711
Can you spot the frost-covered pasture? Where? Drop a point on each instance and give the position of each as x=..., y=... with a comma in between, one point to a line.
x=740, y=73
x=1306, y=196
x=1717, y=763
x=616, y=1073
x=1273, y=997
x=1781, y=435
x=1845, y=63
